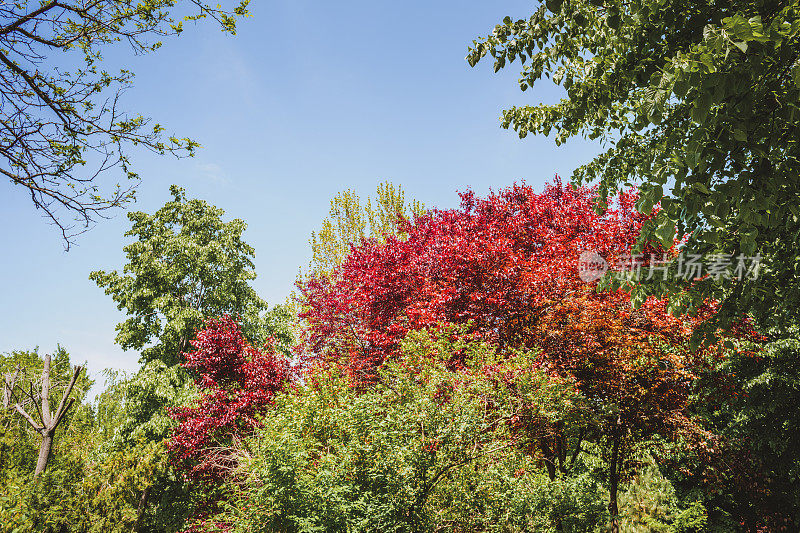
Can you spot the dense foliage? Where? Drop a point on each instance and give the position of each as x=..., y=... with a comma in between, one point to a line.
x=428, y=448
x=528, y=361
x=87, y=486
x=698, y=102
x=432, y=447
x=505, y=267
x=454, y=374
x=497, y=262
x=186, y=265
x=238, y=382
x=350, y=220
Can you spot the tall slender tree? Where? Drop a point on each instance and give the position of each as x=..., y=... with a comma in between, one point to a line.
x=186, y=265
x=350, y=220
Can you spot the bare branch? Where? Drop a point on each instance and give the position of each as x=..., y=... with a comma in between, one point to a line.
x=49, y=421
x=9, y=384
x=19, y=22
x=29, y=418
x=61, y=409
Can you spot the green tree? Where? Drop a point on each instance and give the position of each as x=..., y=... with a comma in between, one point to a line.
x=429, y=448
x=650, y=504
x=761, y=422
x=61, y=120
x=50, y=499
x=185, y=265
x=698, y=105
x=90, y=484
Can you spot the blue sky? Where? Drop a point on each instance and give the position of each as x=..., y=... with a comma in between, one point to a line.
x=309, y=98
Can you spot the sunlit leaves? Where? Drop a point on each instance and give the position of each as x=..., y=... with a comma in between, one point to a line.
x=350, y=220
x=186, y=264
x=495, y=261
x=506, y=267
x=699, y=99
x=427, y=448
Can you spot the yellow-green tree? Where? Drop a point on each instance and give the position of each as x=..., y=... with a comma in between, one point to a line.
x=349, y=220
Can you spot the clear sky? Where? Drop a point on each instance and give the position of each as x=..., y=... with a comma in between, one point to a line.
x=309, y=98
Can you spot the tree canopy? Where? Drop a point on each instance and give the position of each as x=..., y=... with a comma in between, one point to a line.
x=522, y=362
x=349, y=221
x=185, y=265
x=238, y=383
x=505, y=268
x=498, y=261
x=698, y=105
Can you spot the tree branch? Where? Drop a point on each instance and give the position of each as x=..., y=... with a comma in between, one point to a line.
x=33, y=14
x=32, y=84
x=28, y=417
x=61, y=408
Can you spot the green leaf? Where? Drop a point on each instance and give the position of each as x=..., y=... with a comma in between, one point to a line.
x=666, y=232
x=708, y=61
x=712, y=127
x=554, y=5
x=701, y=108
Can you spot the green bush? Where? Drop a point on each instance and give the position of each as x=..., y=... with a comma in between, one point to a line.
x=427, y=448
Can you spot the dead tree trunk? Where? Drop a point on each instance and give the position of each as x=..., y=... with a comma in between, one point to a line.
x=44, y=452
x=48, y=421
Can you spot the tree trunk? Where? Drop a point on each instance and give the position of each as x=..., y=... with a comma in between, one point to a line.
x=549, y=458
x=44, y=452
x=549, y=462
x=613, y=483
x=140, y=510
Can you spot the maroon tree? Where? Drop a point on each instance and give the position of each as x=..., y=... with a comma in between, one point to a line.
x=237, y=382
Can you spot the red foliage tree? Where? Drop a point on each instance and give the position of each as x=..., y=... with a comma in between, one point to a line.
x=497, y=262
x=507, y=265
x=238, y=382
